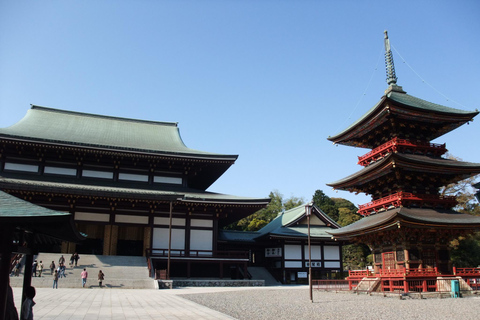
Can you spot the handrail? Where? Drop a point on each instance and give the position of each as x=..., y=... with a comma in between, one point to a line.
x=398, y=199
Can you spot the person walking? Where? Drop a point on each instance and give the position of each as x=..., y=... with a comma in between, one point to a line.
x=71, y=260
x=101, y=276
x=55, y=280
x=18, y=266
x=76, y=257
x=84, y=275
x=52, y=267
x=40, y=268
x=61, y=260
x=34, y=268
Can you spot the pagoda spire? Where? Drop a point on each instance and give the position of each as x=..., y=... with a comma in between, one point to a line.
x=391, y=77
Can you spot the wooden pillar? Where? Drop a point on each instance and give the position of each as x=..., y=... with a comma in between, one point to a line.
x=110, y=239
x=106, y=240
x=6, y=251
x=221, y=270
x=147, y=239
x=114, y=240
x=68, y=247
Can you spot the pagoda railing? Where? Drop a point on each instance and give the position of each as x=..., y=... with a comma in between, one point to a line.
x=397, y=144
x=404, y=199
x=467, y=272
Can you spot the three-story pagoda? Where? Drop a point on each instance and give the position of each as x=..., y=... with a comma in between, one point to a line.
x=408, y=224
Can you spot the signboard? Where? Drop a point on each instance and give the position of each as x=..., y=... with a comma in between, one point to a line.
x=273, y=252
x=315, y=264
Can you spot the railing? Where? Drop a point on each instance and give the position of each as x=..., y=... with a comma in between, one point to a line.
x=360, y=273
x=404, y=199
x=475, y=272
x=400, y=144
x=331, y=285
x=196, y=254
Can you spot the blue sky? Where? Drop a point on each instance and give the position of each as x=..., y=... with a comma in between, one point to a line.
x=267, y=80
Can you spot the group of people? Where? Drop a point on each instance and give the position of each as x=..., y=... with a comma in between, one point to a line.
x=37, y=268
x=84, y=275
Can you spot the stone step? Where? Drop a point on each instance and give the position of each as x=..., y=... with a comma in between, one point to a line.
x=120, y=272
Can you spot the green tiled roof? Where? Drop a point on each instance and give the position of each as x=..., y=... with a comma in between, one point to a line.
x=408, y=101
x=138, y=193
x=90, y=130
x=285, y=225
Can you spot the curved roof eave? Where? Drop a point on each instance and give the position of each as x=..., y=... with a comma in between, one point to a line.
x=408, y=101
x=421, y=217
x=439, y=163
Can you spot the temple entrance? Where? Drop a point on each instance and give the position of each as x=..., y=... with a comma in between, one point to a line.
x=94, y=242
x=130, y=241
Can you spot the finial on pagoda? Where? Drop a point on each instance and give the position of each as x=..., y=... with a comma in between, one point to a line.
x=391, y=76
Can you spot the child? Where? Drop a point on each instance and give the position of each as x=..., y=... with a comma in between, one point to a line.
x=27, y=307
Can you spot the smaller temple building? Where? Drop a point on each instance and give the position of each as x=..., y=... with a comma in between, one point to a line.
x=282, y=246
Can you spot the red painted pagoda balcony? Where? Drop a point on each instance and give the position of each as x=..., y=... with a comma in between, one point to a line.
x=405, y=199
x=401, y=145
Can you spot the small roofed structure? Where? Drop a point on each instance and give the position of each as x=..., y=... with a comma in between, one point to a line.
x=282, y=245
x=22, y=225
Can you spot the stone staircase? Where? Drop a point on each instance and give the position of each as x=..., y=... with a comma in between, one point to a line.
x=260, y=273
x=120, y=272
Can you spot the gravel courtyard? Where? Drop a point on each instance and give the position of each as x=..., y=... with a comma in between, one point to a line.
x=280, y=304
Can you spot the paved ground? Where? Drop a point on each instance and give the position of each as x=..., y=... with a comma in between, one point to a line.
x=108, y=303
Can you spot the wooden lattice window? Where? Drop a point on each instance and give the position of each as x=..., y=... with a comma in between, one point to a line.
x=429, y=258
x=388, y=260
x=400, y=255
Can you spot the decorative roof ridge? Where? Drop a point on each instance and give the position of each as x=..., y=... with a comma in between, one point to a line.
x=91, y=115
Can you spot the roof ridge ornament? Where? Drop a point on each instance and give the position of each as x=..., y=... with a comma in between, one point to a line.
x=390, y=68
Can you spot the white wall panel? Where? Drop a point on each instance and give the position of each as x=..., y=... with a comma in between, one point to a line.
x=20, y=167
x=331, y=252
x=293, y=264
x=97, y=174
x=133, y=177
x=121, y=218
x=164, y=221
x=293, y=251
x=201, y=223
x=160, y=238
x=201, y=239
x=332, y=264
x=59, y=170
x=88, y=216
x=316, y=253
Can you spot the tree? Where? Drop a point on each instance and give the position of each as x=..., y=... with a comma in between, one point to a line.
x=324, y=203
x=464, y=192
x=465, y=250
x=263, y=216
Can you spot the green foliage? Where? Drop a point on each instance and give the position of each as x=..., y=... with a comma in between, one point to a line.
x=263, y=216
x=356, y=256
x=465, y=252
x=327, y=205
